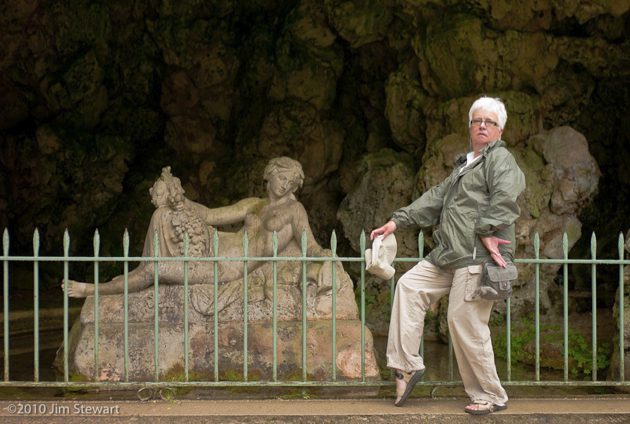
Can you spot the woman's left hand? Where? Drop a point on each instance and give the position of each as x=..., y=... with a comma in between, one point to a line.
x=492, y=244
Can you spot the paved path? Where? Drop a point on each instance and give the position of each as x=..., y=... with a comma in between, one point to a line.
x=604, y=409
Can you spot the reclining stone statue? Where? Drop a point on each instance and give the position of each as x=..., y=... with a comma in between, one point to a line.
x=175, y=215
x=281, y=213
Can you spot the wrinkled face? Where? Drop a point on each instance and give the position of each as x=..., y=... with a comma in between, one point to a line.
x=484, y=133
x=159, y=194
x=282, y=183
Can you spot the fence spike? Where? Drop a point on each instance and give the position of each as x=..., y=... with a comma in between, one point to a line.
x=215, y=242
x=66, y=243
x=5, y=242
x=245, y=243
x=97, y=242
x=36, y=242
x=621, y=243
x=362, y=243
x=156, y=244
x=333, y=243
x=304, y=242
x=565, y=244
x=593, y=244
x=536, y=245
x=186, y=243
x=126, y=242
x=421, y=244
x=274, y=243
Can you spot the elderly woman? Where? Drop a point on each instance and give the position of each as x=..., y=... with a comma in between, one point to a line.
x=476, y=209
x=175, y=214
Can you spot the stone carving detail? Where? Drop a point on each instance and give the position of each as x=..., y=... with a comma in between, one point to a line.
x=174, y=215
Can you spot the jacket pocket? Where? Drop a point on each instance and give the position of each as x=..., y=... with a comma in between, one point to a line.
x=473, y=279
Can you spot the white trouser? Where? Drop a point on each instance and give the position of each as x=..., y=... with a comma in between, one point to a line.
x=416, y=290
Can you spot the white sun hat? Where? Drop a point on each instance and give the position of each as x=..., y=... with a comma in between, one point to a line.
x=379, y=258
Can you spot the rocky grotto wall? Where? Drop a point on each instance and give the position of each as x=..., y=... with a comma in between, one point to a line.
x=371, y=96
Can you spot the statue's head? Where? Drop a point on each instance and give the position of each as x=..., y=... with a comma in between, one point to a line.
x=286, y=166
x=159, y=194
x=167, y=191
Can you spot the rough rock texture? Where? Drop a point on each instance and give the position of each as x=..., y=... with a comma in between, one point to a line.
x=403, y=110
x=562, y=177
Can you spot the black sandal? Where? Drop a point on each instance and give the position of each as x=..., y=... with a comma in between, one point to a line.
x=411, y=379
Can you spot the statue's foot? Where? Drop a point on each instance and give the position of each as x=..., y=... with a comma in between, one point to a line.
x=75, y=289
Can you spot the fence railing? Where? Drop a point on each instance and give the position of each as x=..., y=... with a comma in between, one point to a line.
x=66, y=260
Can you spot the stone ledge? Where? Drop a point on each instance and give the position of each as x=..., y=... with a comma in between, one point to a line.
x=589, y=409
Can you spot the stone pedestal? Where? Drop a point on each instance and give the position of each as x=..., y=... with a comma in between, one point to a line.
x=201, y=330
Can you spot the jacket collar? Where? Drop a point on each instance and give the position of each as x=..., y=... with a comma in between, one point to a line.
x=460, y=159
x=491, y=146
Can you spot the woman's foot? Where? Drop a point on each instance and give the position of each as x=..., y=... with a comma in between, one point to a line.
x=405, y=383
x=482, y=407
x=75, y=289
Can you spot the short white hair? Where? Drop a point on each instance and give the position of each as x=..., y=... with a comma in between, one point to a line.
x=489, y=104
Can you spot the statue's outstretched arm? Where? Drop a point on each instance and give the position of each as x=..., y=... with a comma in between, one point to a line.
x=226, y=214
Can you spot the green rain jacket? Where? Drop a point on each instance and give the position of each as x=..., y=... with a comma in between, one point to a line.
x=478, y=202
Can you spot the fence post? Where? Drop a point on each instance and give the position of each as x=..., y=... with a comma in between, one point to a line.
x=66, y=250
x=565, y=297
x=362, y=250
x=215, y=245
x=622, y=371
x=245, y=248
x=594, y=305
x=36, y=303
x=126, y=301
x=537, y=303
x=186, y=247
x=156, y=286
x=5, y=291
x=274, y=242
x=97, y=242
x=304, y=311
x=333, y=249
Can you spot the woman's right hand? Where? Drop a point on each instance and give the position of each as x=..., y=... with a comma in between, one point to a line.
x=384, y=231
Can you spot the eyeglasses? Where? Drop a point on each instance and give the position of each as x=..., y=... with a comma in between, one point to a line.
x=487, y=122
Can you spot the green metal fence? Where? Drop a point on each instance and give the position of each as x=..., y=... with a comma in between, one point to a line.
x=66, y=260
